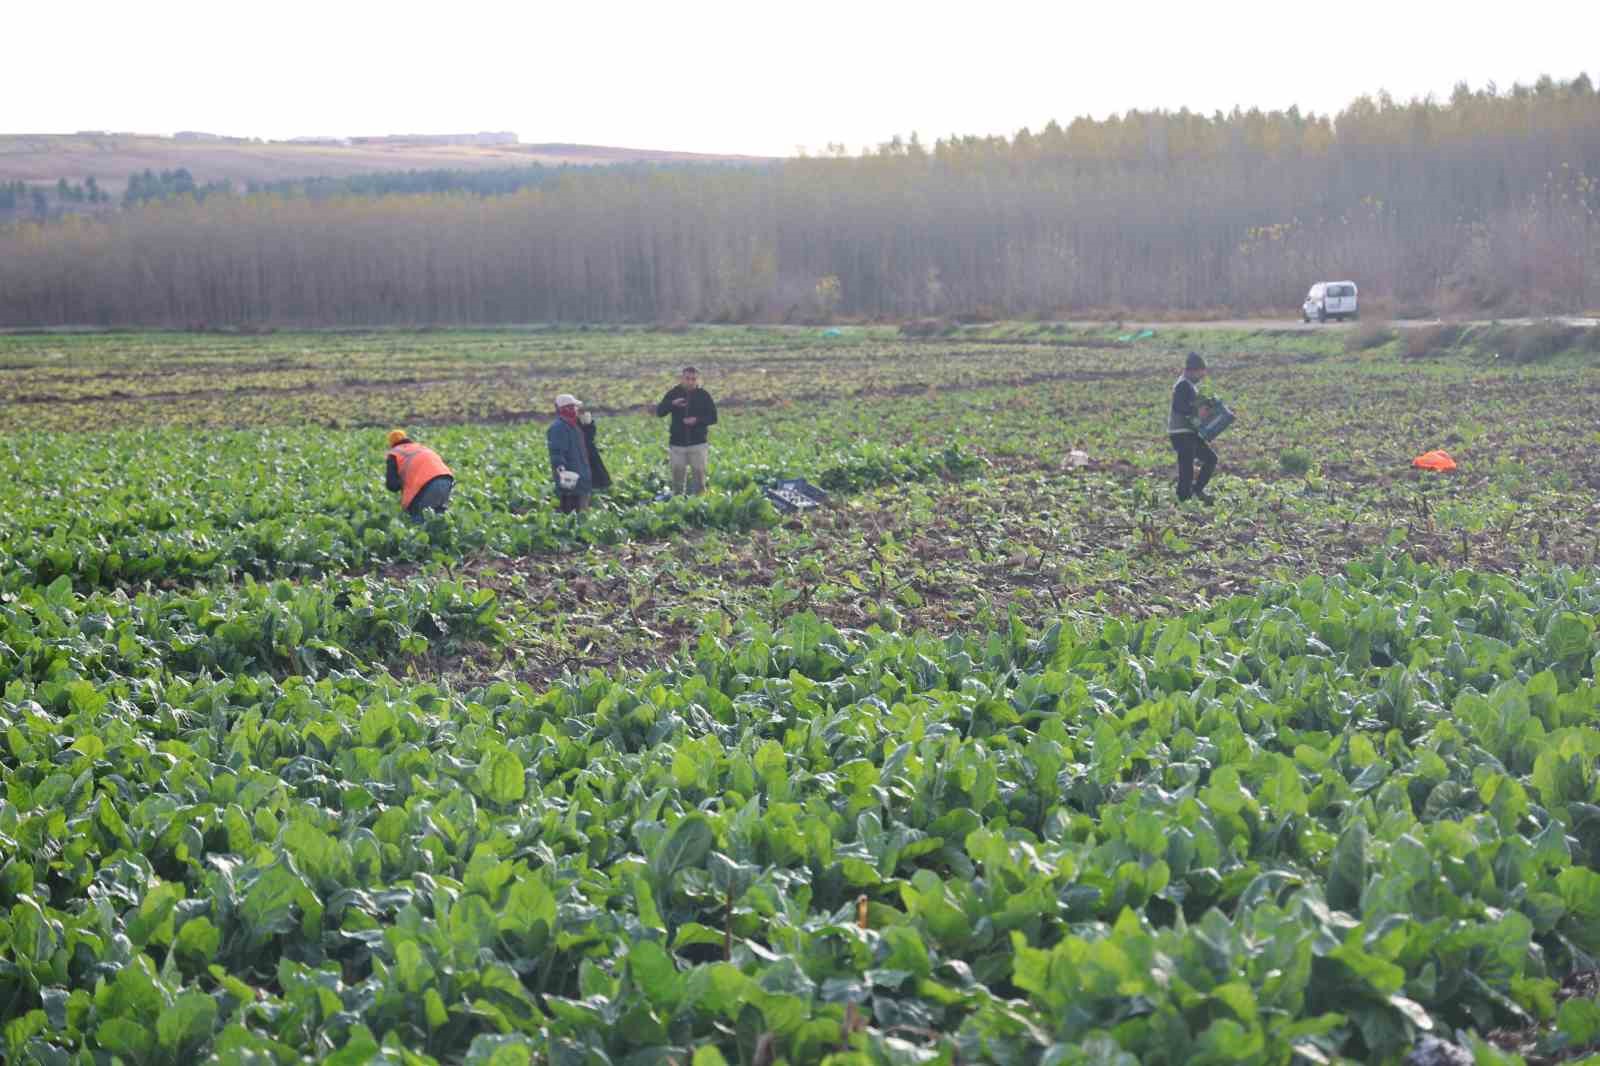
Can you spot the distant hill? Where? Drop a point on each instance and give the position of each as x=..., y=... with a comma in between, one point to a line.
x=111, y=157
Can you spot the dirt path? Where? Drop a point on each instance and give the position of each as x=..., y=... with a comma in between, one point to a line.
x=1295, y=325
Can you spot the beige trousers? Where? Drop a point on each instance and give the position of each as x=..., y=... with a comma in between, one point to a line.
x=688, y=465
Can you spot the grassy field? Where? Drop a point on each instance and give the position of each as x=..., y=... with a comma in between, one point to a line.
x=996, y=757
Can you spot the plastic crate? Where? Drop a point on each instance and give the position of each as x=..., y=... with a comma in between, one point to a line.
x=795, y=494
x=1220, y=419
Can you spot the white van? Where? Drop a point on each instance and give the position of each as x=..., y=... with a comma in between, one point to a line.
x=1330, y=299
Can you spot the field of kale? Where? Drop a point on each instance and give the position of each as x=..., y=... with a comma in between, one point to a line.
x=999, y=756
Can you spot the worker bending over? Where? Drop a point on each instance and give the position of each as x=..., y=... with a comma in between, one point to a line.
x=417, y=473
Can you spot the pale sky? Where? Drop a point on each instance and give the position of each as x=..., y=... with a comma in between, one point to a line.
x=746, y=76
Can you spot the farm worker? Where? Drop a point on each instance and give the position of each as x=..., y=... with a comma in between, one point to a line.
x=417, y=473
x=693, y=412
x=1183, y=429
x=569, y=456
x=597, y=466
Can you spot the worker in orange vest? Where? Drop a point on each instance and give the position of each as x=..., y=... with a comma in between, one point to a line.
x=417, y=473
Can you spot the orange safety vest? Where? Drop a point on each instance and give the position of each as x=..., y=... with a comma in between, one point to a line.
x=1434, y=460
x=418, y=465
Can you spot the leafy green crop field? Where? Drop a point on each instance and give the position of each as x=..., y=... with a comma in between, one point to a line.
x=998, y=757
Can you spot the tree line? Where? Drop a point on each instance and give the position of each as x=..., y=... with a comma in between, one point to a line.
x=147, y=185
x=19, y=195
x=1485, y=202
x=495, y=181
x=498, y=181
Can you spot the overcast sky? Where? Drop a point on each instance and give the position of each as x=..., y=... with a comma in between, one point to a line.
x=748, y=76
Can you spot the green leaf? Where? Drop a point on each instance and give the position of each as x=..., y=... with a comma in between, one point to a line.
x=1580, y=890
x=359, y=1049
x=906, y=951
x=1568, y=638
x=433, y=1010
x=1382, y=976
x=859, y=873
x=708, y=1055
x=153, y=922
x=500, y=776
x=377, y=722
x=126, y=1037
x=686, y=844
x=187, y=1022
x=691, y=933
x=655, y=973
x=1347, y=869
x=720, y=988
x=198, y=940
x=412, y=966
x=493, y=1049
x=1579, y=1021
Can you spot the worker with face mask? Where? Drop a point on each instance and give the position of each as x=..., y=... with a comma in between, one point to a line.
x=569, y=456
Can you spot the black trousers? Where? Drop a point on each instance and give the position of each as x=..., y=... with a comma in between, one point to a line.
x=1190, y=447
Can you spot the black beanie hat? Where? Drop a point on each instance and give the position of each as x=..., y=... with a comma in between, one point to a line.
x=1194, y=362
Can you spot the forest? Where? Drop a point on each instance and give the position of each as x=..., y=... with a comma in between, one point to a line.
x=1484, y=203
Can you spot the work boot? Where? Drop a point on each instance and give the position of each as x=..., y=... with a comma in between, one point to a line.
x=1200, y=495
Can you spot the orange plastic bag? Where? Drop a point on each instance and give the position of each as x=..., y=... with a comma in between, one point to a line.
x=1434, y=460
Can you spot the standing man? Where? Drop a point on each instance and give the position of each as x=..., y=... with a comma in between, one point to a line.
x=692, y=411
x=1183, y=429
x=417, y=473
x=569, y=456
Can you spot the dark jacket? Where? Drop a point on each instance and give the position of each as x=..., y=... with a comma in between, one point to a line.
x=700, y=406
x=1185, y=413
x=567, y=450
x=597, y=466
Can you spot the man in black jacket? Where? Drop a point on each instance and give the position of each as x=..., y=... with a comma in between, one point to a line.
x=692, y=411
x=1183, y=429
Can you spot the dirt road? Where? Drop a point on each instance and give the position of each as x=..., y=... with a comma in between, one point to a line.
x=1296, y=324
